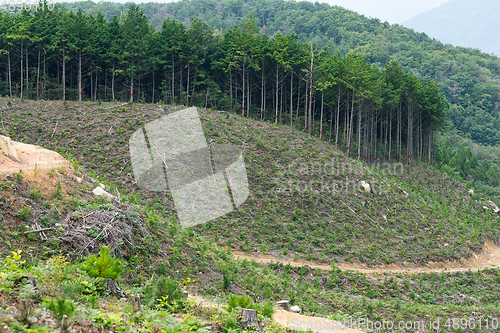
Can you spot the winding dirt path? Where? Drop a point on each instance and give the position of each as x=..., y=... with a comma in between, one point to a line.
x=292, y=320
x=488, y=258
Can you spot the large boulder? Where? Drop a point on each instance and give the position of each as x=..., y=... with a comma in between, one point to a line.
x=7, y=149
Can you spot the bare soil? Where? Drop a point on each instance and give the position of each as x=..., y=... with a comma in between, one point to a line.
x=31, y=155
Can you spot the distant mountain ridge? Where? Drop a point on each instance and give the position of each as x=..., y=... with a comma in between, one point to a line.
x=466, y=23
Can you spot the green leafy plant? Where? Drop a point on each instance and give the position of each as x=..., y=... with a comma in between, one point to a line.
x=19, y=176
x=35, y=194
x=58, y=194
x=245, y=302
x=24, y=213
x=105, y=266
x=60, y=307
x=164, y=293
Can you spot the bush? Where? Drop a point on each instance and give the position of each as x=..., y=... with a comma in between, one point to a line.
x=105, y=266
x=245, y=302
x=166, y=291
x=24, y=213
x=60, y=307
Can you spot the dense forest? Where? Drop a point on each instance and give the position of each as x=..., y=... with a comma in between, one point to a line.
x=263, y=69
x=372, y=113
x=469, y=78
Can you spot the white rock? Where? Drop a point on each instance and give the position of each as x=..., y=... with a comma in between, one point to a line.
x=285, y=305
x=78, y=180
x=7, y=148
x=102, y=186
x=365, y=186
x=295, y=309
x=471, y=191
x=495, y=208
x=99, y=191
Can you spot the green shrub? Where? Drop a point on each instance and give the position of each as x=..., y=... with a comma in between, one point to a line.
x=60, y=307
x=35, y=194
x=24, y=213
x=245, y=302
x=165, y=291
x=105, y=266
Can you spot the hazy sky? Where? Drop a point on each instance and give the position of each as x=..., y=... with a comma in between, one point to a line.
x=392, y=11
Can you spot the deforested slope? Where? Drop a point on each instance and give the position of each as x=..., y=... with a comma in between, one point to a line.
x=306, y=198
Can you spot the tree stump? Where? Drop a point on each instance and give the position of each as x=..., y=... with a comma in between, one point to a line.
x=30, y=280
x=285, y=305
x=249, y=318
x=136, y=303
x=114, y=289
x=65, y=324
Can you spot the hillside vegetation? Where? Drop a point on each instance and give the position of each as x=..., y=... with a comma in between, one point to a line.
x=204, y=54
x=305, y=195
x=287, y=205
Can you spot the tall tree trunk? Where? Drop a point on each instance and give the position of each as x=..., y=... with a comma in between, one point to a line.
x=132, y=87
x=96, y=83
x=64, y=74
x=310, y=90
x=390, y=136
x=306, y=105
x=277, y=91
x=429, y=148
x=80, y=75
x=172, y=95
x=248, y=92
x=291, y=98
x=321, y=117
x=38, y=71
x=10, y=72
x=231, y=88
x=27, y=71
x=113, y=82
x=21, y=56
x=262, y=92
x=337, y=120
x=243, y=91
x=360, y=114
x=350, y=124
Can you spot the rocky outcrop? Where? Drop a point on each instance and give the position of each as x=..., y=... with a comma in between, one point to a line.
x=7, y=149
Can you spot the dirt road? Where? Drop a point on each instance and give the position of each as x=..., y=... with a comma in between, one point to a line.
x=489, y=258
x=293, y=320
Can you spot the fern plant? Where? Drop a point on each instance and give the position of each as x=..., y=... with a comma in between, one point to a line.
x=105, y=266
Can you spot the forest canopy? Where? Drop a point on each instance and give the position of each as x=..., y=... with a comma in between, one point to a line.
x=373, y=113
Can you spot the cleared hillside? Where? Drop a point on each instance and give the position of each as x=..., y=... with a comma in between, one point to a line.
x=419, y=205
x=305, y=197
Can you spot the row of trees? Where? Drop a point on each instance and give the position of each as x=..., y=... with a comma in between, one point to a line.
x=374, y=113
